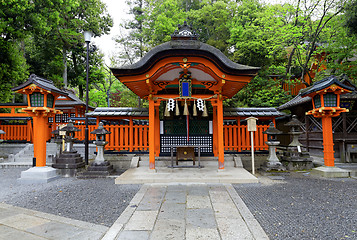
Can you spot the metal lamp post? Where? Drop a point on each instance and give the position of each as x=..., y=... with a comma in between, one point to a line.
x=87, y=38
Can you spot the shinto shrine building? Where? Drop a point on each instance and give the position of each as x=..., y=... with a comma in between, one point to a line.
x=185, y=82
x=182, y=79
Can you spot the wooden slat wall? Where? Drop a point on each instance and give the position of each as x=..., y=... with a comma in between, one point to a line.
x=16, y=132
x=232, y=141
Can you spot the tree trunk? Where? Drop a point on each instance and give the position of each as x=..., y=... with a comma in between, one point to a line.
x=288, y=66
x=80, y=91
x=65, y=81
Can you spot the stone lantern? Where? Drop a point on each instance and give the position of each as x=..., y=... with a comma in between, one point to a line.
x=100, y=142
x=295, y=132
x=69, y=162
x=69, y=138
x=325, y=96
x=273, y=162
x=294, y=158
x=99, y=167
x=41, y=97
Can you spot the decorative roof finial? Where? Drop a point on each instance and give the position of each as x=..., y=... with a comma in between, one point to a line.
x=184, y=32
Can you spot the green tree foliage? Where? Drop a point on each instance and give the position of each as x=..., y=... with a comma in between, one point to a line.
x=15, y=23
x=124, y=97
x=45, y=37
x=351, y=17
x=66, y=21
x=13, y=69
x=261, y=92
x=162, y=19
x=212, y=21
x=132, y=43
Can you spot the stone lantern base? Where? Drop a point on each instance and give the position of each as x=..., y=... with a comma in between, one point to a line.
x=69, y=163
x=273, y=166
x=294, y=160
x=97, y=170
x=273, y=163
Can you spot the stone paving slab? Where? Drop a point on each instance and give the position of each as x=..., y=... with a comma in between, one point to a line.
x=169, y=229
x=200, y=211
x=21, y=223
x=142, y=221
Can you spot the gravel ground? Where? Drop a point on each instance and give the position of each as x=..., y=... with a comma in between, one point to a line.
x=97, y=201
x=303, y=207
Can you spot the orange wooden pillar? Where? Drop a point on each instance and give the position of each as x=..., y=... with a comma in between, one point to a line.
x=29, y=131
x=157, y=129
x=220, y=143
x=329, y=158
x=40, y=134
x=151, y=133
x=131, y=134
x=215, y=130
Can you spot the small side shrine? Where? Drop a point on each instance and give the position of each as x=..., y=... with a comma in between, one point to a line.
x=41, y=98
x=189, y=80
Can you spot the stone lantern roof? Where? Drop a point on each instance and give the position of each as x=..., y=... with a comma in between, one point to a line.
x=272, y=130
x=294, y=122
x=40, y=82
x=70, y=128
x=100, y=130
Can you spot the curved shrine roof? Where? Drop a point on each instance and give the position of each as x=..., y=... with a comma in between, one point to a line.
x=185, y=48
x=159, y=71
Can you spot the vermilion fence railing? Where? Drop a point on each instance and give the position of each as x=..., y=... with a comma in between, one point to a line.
x=122, y=138
x=135, y=137
x=237, y=138
x=17, y=132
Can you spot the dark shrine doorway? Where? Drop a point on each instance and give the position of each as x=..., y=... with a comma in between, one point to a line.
x=174, y=130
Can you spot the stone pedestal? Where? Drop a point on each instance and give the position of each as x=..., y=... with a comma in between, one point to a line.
x=69, y=163
x=99, y=167
x=292, y=159
x=37, y=175
x=330, y=172
x=97, y=170
x=273, y=162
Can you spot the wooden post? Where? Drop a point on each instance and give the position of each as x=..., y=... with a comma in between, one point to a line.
x=239, y=135
x=252, y=151
x=151, y=134
x=157, y=131
x=215, y=129
x=252, y=127
x=39, y=142
x=329, y=158
x=131, y=134
x=220, y=133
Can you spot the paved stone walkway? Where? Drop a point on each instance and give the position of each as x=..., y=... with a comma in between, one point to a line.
x=20, y=223
x=186, y=211
x=157, y=212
